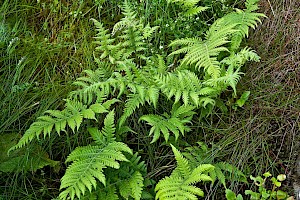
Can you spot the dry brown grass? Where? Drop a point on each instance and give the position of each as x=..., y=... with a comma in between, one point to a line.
x=265, y=134
x=271, y=118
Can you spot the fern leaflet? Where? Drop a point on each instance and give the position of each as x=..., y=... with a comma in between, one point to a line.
x=180, y=185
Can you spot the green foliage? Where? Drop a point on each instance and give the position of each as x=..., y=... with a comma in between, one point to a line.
x=263, y=191
x=24, y=159
x=72, y=116
x=144, y=83
x=185, y=85
x=174, y=123
x=181, y=183
x=88, y=162
x=223, y=171
x=189, y=6
x=230, y=195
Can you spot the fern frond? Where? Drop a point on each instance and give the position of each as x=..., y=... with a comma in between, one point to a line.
x=100, y=88
x=239, y=59
x=176, y=123
x=133, y=102
x=244, y=19
x=251, y=5
x=106, y=135
x=222, y=170
x=203, y=54
x=183, y=85
x=182, y=163
x=88, y=162
x=132, y=187
x=105, y=42
x=190, y=6
x=129, y=18
x=180, y=185
x=230, y=79
x=72, y=116
x=109, y=192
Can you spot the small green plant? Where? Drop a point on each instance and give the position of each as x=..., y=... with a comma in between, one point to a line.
x=265, y=193
x=181, y=183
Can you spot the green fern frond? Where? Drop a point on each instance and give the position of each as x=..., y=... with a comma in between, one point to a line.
x=106, y=135
x=72, y=116
x=129, y=18
x=251, y=5
x=203, y=54
x=88, y=162
x=239, y=59
x=222, y=170
x=190, y=6
x=133, y=102
x=148, y=31
x=109, y=192
x=229, y=79
x=132, y=187
x=89, y=88
x=180, y=185
x=182, y=163
x=105, y=42
x=245, y=19
x=176, y=123
x=183, y=85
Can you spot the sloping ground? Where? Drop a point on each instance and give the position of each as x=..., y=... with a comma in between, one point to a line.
x=274, y=107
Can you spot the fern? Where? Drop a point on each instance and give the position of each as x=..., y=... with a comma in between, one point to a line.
x=203, y=54
x=124, y=183
x=176, y=123
x=180, y=185
x=72, y=116
x=190, y=6
x=230, y=28
x=25, y=159
x=183, y=85
x=105, y=42
x=245, y=19
x=222, y=170
x=88, y=162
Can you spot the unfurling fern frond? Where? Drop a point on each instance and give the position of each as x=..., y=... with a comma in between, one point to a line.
x=176, y=123
x=181, y=183
x=72, y=116
x=183, y=85
x=88, y=162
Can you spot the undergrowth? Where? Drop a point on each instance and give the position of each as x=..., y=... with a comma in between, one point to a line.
x=150, y=78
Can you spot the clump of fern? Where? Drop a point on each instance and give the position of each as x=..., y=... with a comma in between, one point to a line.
x=130, y=79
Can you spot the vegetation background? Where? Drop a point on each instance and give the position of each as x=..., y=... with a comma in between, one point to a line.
x=46, y=45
